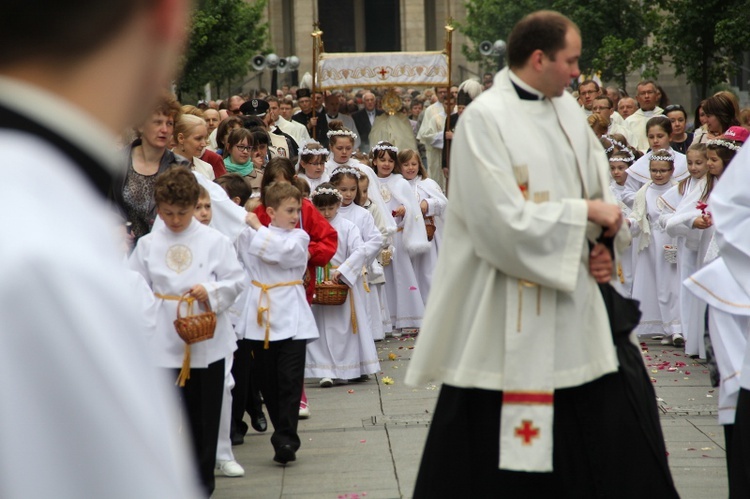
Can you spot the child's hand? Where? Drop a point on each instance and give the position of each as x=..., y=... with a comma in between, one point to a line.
x=336, y=277
x=399, y=212
x=253, y=221
x=199, y=293
x=703, y=222
x=424, y=206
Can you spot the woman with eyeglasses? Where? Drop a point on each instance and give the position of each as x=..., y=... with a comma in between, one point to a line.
x=680, y=139
x=239, y=158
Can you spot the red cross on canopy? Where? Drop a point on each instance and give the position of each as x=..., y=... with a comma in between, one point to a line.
x=382, y=73
x=526, y=432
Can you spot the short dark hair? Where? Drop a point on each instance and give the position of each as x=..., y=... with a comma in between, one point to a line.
x=177, y=186
x=277, y=166
x=590, y=82
x=604, y=97
x=62, y=31
x=278, y=192
x=543, y=30
x=235, y=187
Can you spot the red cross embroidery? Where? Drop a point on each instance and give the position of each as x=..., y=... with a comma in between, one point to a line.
x=527, y=432
x=382, y=73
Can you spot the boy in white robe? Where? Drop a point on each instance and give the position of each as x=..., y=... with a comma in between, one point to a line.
x=184, y=260
x=277, y=318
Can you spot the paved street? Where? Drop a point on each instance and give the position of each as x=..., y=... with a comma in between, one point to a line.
x=364, y=441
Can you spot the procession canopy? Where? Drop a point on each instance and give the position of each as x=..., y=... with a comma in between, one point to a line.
x=382, y=69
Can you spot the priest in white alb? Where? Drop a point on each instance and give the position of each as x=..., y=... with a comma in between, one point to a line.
x=533, y=400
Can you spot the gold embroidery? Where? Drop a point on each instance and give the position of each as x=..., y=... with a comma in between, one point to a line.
x=179, y=258
x=528, y=284
x=541, y=197
x=738, y=305
x=385, y=192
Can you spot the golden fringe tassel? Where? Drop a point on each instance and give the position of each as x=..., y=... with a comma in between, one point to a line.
x=185, y=371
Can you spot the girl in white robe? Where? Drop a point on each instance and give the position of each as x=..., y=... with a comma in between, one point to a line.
x=381, y=315
x=433, y=203
x=684, y=221
x=346, y=181
x=345, y=350
x=619, y=162
x=312, y=164
x=658, y=130
x=656, y=281
x=404, y=297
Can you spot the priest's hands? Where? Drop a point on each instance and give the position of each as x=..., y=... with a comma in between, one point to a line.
x=600, y=263
x=608, y=216
x=199, y=293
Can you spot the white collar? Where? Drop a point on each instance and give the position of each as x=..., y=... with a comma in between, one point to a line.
x=61, y=117
x=520, y=83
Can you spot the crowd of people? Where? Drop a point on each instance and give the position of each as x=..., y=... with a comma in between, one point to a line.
x=303, y=216
x=371, y=218
x=663, y=175
x=281, y=238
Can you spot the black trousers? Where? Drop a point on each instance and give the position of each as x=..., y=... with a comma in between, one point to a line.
x=738, y=455
x=600, y=450
x=279, y=371
x=201, y=398
x=246, y=391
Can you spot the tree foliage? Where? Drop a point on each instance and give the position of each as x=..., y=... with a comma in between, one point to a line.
x=701, y=38
x=225, y=35
x=704, y=38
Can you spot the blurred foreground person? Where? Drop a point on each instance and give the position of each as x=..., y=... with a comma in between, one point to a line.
x=82, y=411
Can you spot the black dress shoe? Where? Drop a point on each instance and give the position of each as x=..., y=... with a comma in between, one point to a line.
x=259, y=423
x=285, y=454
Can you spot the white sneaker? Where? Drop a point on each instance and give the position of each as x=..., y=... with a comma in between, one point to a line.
x=678, y=340
x=326, y=383
x=230, y=468
x=666, y=340
x=304, y=410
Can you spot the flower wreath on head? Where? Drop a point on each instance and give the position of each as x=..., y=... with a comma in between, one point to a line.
x=669, y=158
x=611, y=144
x=347, y=169
x=326, y=190
x=617, y=143
x=723, y=143
x=343, y=133
x=303, y=149
x=629, y=159
x=382, y=147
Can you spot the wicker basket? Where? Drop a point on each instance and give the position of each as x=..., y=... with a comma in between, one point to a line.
x=670, y=253
x=385, y=257
x=330, y=293
x=194, y=328
x=429, y=225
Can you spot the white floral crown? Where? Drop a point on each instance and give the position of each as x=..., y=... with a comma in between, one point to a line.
x=315, y=152
x=629, y=159
x=346, y=169
x=669, y=158
x=345, y=133
x=326, y=190
x=723, y=143
x=382, y=147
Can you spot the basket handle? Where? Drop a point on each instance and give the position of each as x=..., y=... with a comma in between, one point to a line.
x=186, y=297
